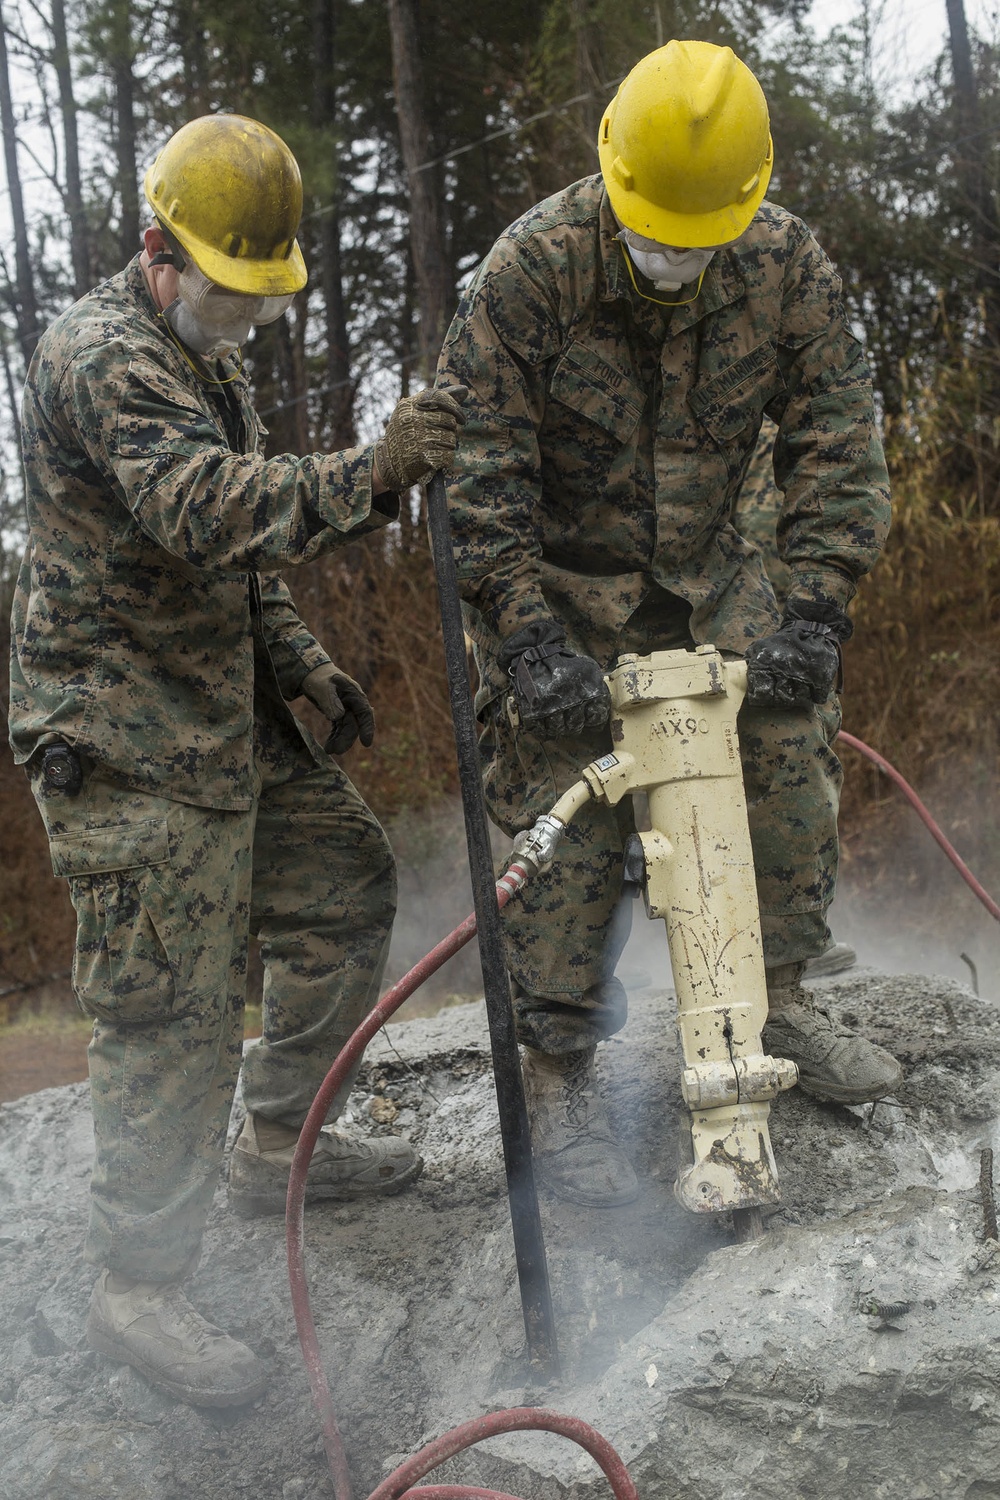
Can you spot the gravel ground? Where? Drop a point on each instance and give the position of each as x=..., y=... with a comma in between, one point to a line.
x=718, y=1370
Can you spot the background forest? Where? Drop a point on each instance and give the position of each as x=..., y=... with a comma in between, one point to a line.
x=422, y=128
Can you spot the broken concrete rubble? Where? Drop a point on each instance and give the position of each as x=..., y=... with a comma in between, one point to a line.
x=719, y=1371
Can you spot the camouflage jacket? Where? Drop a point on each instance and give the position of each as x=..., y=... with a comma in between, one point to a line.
x=148, y=609
x=607, y=436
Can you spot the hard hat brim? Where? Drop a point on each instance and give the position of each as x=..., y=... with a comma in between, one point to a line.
x=254, y=278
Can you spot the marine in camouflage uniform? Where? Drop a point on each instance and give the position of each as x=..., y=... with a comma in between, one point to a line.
x=152, y=634
x=606, y=442
x=607, y=439
x=155, y=643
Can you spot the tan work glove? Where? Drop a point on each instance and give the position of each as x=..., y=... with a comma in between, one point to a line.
x=340, y=698
x=420, y=436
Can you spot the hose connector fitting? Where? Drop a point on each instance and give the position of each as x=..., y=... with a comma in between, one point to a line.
x=537, y=846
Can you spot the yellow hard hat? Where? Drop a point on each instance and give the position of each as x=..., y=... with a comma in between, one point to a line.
x=685, y=146
x=229, y=191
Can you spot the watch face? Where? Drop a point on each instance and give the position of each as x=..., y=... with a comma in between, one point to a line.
x=61, y=769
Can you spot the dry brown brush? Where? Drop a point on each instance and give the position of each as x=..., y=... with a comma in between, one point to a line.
x=922, y=688
x=923, y=669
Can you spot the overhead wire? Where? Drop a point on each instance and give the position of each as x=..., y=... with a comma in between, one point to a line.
x=518, y=125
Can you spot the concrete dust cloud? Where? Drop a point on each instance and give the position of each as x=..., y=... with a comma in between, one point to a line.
x=435, y=895
x=910, y=909
x=919, y=917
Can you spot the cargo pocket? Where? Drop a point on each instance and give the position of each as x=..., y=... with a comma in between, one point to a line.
x=523, y=775
x=594, y=421
x=519, y=783
x=133, y=958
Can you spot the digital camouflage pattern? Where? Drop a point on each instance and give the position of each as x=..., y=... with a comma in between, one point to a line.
x=152, y=634
x=606, y=442
x=166, y=895
x=148, y=586
x=756, y=517
x=758, y=511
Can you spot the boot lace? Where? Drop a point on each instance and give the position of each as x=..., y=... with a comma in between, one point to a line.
x=578, y=1090
x=191, y=1322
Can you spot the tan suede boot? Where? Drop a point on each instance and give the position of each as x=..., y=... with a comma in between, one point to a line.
x=340, y=1169
x=574, y=1152
x=833, y=1061
x=153, y=1327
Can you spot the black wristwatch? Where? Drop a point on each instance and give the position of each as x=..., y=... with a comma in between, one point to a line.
x=62, y=770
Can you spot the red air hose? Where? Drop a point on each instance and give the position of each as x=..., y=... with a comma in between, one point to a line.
x=517, y=1419
x=924, y=816
x=295, y=1202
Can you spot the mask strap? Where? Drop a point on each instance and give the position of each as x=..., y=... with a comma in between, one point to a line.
x=200, y=372
x=173, y=255
x=660, y=301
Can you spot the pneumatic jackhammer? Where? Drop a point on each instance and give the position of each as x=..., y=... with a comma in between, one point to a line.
x=673, y=727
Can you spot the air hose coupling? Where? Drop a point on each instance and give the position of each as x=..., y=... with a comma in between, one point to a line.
x=537, y=846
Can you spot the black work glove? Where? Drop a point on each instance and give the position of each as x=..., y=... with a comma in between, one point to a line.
x=801, y=663
x=420, y=436
x=557, y=693
x=340, y=698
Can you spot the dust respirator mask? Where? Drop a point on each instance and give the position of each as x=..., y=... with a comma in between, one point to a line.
x=666, y=268
x=213, y=321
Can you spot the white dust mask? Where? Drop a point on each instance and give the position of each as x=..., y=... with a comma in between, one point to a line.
x=666, y=268
x=212, y=320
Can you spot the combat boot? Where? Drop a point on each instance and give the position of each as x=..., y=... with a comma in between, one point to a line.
x=152, y=1326
x=339, y=1169
x=573, y=1149
x=833, y=1061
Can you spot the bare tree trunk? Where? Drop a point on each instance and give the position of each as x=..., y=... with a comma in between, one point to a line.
x=123, y=79
x=26, y=309
x=292, y=367
x=340, y=382
x=427, y=241
x=590, y=110
x=190, y=38
x=10, y=386
x=79, y=231
x=971, y=167
x=340, y=386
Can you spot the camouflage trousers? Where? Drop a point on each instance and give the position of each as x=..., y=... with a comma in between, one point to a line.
x=166, y=896
x=565, y=931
